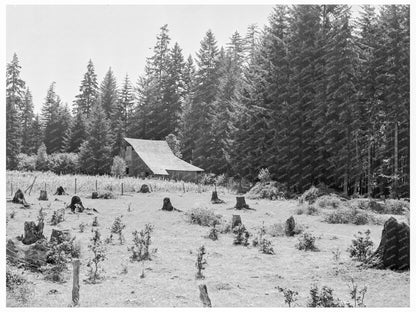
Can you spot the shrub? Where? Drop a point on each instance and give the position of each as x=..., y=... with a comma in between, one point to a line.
x=264, y=175
x=399, y=207
x=213, y=233
x=207, y=179
x=289, y=294
x=42, y=161
x=224, y=227
x=58, y=257
x=269, y=190
x=350, y=215
x=141, y=248
x=323, y=298
x=221, y=180
x=203, y=217
x=117, y=228
x=329, y=201
x=357, y=294
x=299, y=211
x=118, y=169
x=361, y=247
x=63, y=163
x=200, y=262
x=310, y=195
x=307, y=242
x=17, y=286
x=58, y=216
x=241, y=235
x=174, y=144
x=312, y=210
x=26, y=162
x=276, y=229
x=99, y=255
x=264, y=245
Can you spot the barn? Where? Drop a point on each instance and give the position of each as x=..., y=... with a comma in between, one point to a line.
x=155, y=158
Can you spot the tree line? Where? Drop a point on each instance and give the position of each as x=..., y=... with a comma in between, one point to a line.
x=315, y=96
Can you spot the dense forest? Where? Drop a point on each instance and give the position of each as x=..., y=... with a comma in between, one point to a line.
x=315, y=96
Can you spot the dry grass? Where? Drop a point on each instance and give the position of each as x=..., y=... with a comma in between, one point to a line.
x=235, y=276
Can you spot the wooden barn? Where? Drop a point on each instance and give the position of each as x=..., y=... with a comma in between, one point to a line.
x=155, y=158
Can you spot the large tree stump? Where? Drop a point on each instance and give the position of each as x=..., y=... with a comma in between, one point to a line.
x=33, y=232
x=94, y=195
x=76, y=204
x=144, y=189
x=290, y=226
x=60, y=191
x=43, y=195
x=60, y=236
x=236, y=221
x=29, y=256
x=19, y=198
x=203, y=295
x=167, y=205
x=241, y=203
x=394, y=249
x=215, y=199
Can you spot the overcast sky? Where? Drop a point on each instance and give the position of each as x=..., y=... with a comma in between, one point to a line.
x=54, y=43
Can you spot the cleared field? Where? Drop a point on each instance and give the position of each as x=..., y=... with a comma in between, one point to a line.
x=236, y=276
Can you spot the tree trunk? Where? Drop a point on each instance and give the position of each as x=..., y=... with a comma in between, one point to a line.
x=396, y=159
x=236, y=221
x=43, y=195
x=33, y=232
x=290, y=226
x=241, y=203
x=215, y=199
x=167, y=205
x=94, y=195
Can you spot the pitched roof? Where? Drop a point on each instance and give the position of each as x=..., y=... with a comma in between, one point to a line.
x=159, y=157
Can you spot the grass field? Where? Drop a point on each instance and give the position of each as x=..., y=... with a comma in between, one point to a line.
x=236, y=276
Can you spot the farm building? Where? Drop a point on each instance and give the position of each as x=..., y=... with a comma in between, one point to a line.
x=151, y=157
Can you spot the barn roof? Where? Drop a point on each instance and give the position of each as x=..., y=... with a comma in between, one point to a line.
x=158, y=156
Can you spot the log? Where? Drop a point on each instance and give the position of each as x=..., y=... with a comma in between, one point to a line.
x=394, y=250
x=60, y=191
x=241, y=203
x=290, y=226
x=167, y=205
x=32, y=232
x=43, y=195
x=215, y=199
x=236, y=221
x=75, y=282
x=144, y=189
x=94, y=195
x=203, y=295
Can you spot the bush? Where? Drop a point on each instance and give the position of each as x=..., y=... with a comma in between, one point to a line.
x=141, y=248
x=203, y=217
x=289, y=294
x=276, y=229
x=323, y=299
x=269, y=190
x=17, y=286
x=213, y=233
x=329, y=201
x=310, y=195
x=312, y=210
x=299, y=211
x=307, y=242
x=63, y=163
x=264, y=175
x=117, y=228
x=241, y=235
x=99, y=255
x=42, y=161
x=399, y=207
x=351, y=215
x=361, y=247
x=207, y=179
x=58, y=257
x=200, y=262
x=26, y=162
x=118, y=169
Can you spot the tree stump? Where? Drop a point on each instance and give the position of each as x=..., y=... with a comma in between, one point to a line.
x=215, y=199
x=144, y=189
x=29, y=256
x=394, y=249
x=95, y=222
x=290, y=226
x=203, y=295
x=94, y=195
x=60, y=191
x=76, y=204
x=236, y=221
x=59, y=236
x=43, y=195
x=167, y=205
x=33, y=232
x=75, y=282
x=241, y=203
x=19, y=198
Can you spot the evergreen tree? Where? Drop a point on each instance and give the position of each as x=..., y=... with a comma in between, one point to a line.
x=95, y=151
x=108, y=93
x=89, y=92
x=75, y=134
x=27, y=122
x=35, y=136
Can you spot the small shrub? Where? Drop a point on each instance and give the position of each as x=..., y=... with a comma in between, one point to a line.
x=323, y=298
x=141, y=248
x=57, y=259
x=241, y=235
x=17, y=286
x=42, y=161
x=312, y=210
x=276, y=229
x=264, y=175
x=203, y=217
x=63, y=163
x=336, y=254
x=99, y=255
x=361, y=247
x=106, y=195
x=224, y=227
x=213, y=233
x=117, y=228
x=82, y=227
x=299, y=211
x=397, y=207
x=26, y=162
x=12, y=214
x=269, y=190
x=264, y=245
x=200, y=263
x=357, y=294
x=289, y=294
x=310, y=195
x=331, y=201
x=307, y=242
x=118, y=169
x=58, y=216
x=207, y=179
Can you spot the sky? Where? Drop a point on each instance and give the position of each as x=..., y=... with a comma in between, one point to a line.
x=55, y=43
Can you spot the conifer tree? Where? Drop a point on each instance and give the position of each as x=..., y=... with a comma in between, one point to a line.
x=109, y=92
x=88, y=92
x=27, y=121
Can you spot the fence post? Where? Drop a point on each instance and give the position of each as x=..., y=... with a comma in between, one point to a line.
x=75, y=185
x=75, y=284
x=96, y=187
x=45, y=186
x=11, y=185
x=122, y=189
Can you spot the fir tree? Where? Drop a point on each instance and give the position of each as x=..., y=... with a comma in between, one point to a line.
x=27, y=121
x=88, y=92
x=109, y=92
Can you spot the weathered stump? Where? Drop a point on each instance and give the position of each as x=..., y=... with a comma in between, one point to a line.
x=394, y=249
x=144, y=189
x=290, y=226
x=241, y=203
x=33, y=232
x=94, y=195
x=19, y=198
x=236, y=221
x=43, y=195
x=167, y=205
x=75, y=282
x=60, y=191
x=203, y=295
x=215, y=199
x=29, y=256
x=60, y=236
x=76, y=204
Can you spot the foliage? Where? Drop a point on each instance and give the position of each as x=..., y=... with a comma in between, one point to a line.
x=99, y=254
x=311, y=195
x=350, y=215
x=58, y=216
x=307, y=242
x=17, y=286
x=289, y=294
x=200, y=262
x=203, y=217
x=117, y=228
x=142, y=240
x=58, y=257
x=323, y=298
x=42, y=161
x=361, y=247
x=118, y=169
x=63, y=163
x=26, y=162
x=241, y=235
x=264, y=175
x=270, y=190
x=213, y=233
x=264, y=245
x=331, y=201
x=174, y=144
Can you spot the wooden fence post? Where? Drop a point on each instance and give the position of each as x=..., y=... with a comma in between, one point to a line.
x=11, y=185
x=75, y=185
x=122, y=188
x=45, y=186
x=96, y=187
x=203, y=295
x=75, y=284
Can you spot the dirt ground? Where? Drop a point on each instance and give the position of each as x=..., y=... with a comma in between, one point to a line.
x=236, y=276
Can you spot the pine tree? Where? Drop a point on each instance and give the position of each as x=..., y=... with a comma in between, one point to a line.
x=109, y=92
x=95, y=152
x=89, y=92
x=75, y=134
x=35, y=137
x=27, y=121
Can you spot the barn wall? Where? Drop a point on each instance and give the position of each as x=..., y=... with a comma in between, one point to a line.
x=137, y=167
